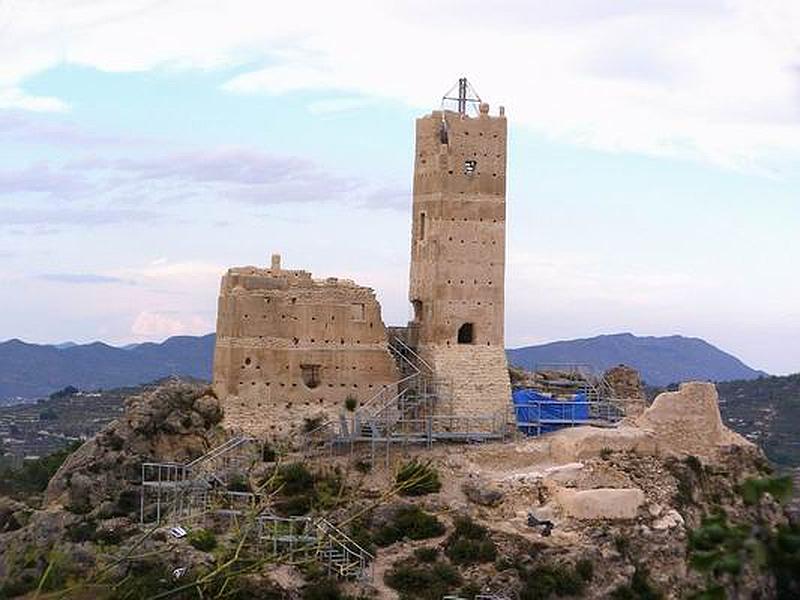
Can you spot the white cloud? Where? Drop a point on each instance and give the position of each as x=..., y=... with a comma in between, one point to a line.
x=16, y=98
x=714, y=80
x=153, y=325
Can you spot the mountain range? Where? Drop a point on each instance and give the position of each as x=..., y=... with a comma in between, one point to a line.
x=32, y=370
x=659, y=360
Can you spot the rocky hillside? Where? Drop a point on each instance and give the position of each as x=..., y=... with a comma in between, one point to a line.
x=671, y=505
x=660, y=360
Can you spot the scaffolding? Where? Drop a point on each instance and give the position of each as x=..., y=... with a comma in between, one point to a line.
x=178, y=494
x=568, y=395
x=419, y=409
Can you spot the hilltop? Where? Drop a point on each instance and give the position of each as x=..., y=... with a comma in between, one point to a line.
x=660, y=360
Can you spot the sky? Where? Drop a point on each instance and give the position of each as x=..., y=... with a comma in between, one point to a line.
x=653, y=178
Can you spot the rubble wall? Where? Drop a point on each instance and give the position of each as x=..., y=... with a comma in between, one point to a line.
x=290, y=347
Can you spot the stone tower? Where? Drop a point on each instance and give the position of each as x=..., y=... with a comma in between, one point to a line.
x=458, y=253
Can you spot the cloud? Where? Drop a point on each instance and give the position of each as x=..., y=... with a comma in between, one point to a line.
x=42, y=179
x=17, y=98
x=87, y=216
x=22, y=126
x=157, y=325
x=84, y=278
x=232, y=173
x=712, y=80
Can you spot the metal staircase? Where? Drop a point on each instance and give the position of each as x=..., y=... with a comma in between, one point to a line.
x=296, y=539
x=187, y=491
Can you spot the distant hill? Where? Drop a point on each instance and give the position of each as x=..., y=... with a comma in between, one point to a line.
x=33, y=370
x=659, y=360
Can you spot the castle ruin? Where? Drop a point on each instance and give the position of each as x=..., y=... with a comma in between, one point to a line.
x=292, y=351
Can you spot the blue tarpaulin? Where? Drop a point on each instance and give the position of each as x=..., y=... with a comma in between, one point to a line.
x=537, y=413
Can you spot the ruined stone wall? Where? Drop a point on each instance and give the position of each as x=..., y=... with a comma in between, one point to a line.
x=290, y=347
x=458, y=254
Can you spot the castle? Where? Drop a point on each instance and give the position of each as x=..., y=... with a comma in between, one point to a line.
x=293, y=351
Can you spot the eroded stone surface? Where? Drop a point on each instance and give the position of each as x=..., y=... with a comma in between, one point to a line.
x=600, y=503
x=291, y=348
x=688, y=421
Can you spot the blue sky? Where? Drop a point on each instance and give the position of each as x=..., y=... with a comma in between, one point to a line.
x=653, y=160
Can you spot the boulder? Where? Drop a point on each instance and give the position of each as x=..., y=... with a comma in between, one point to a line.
x=579, y=443
x=600, y=503
x=482, y=493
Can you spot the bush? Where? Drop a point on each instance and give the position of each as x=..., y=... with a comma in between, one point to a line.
x=639, y=588
x=203, y=540
x=585, y=568
x=300, y=490
x=753, y=489
x=545, y=580
x=324, y=589
x=417, y=479
x=470, y=543
x=350, y=403
x=425, y=582
x=409, y=522
x=238, y=483
x=426, y=555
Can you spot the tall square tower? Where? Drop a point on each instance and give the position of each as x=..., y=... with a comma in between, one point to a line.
x=458, y=252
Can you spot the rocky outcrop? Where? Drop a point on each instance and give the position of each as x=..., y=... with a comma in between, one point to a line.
x=688, y=421
x=175, y=422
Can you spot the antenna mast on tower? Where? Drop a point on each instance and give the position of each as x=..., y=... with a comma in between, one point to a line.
x=466, y=100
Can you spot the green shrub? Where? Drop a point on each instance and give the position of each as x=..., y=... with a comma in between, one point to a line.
x=238, y=483
x=300, y=490
x=585, y=568
x=295, y=478
x=350, y=403
x=409, y=522
x=417, y=478
x=753, y=489
x=548, y=580
x=639, y=588
x=428, y=554
x=324, y=589
x=470, y=543
x=424, y=582
x=203, y=540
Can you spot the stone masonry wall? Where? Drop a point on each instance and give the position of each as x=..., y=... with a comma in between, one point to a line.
x=291, y=348
x=477, y=376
